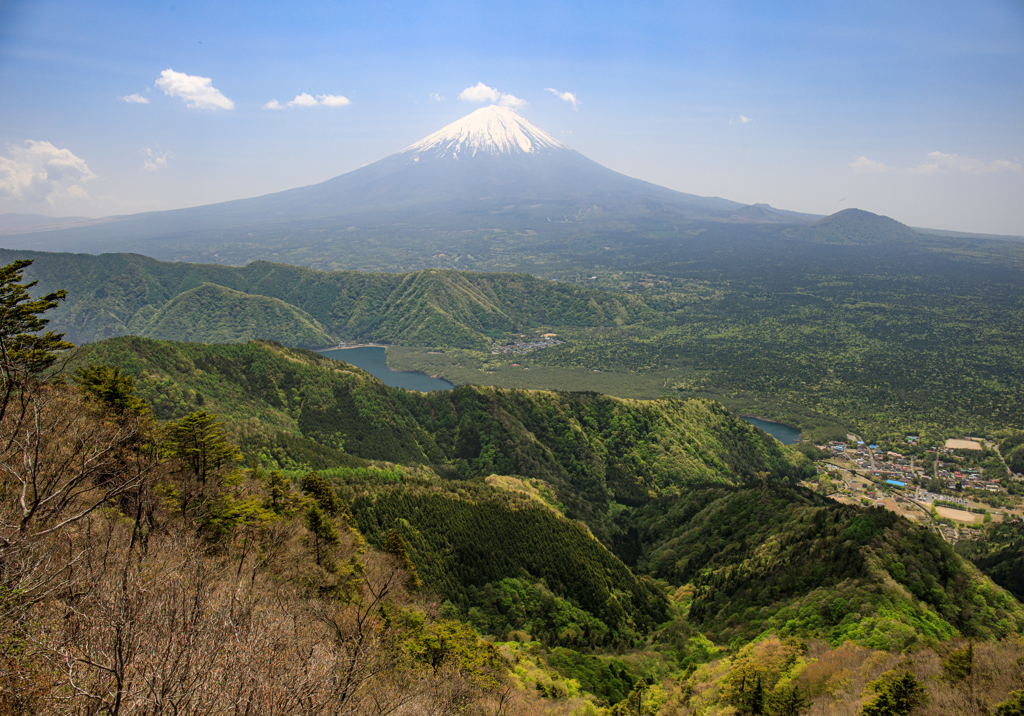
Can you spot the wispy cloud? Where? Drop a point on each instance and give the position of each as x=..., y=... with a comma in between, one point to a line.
x=39, y=171
x=153, y=161
x=938, y=162
x=197, y=92
x=135, y=99
x=480, y=93
x=508, y=100
x=435, y=97
x=565, y=97
x=740, y=120
x=307, y=100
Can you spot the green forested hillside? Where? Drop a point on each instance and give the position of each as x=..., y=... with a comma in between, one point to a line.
x=506, y=562
x=594, y=449
x=783, y=559
x=214, y=314
x=999, y=555
x=119, y=294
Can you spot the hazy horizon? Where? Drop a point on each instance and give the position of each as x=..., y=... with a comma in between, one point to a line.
x=914, y=112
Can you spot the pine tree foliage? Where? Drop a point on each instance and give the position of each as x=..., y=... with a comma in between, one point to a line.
x=896, y=694
x=24, y=354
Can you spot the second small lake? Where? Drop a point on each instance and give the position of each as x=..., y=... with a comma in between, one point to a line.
x=373, y=360
x=783, y=433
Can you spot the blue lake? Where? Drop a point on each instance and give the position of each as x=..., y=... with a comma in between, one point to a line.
x=372, y=359
x=783, y=433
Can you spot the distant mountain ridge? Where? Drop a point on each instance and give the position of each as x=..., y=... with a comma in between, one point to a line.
x=121, y=294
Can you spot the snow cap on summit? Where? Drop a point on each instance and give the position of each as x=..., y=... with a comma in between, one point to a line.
x=489, y=130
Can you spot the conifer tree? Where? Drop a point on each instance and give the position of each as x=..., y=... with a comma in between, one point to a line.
x=314, y=485
x=1013, y=706
x=788, y=702
x=199, y=443
x=394, y=544
x=110, y=387
x=280, y=498
x=895, y=695
x=24, y=354
x=322, y=536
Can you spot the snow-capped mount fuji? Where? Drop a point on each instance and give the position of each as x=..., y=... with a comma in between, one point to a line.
x=489, y=130
x=490, y=171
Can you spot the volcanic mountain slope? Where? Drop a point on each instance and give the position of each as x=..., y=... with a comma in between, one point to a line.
x=490, y=169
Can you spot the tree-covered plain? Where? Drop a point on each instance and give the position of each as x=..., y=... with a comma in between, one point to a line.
x=856, y=323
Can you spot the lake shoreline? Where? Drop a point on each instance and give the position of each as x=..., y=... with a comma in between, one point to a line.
x=791, y=432
x=373, y=359
x=347, y=347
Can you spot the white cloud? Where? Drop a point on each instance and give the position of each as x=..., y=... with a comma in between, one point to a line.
x=153, y=161
x=565, y=97
x=303, y=100
x=954, y=162
x=333, y=100
x=198, y=92
x=740, y=120
x=135, y=99
x=435, y=97
x=508, y=100
x=307, y=100
x=38, y=171
x=863, y=164
x=939, y=162
x=481, y=93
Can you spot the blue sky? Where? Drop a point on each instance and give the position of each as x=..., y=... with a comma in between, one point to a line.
x=913, y=110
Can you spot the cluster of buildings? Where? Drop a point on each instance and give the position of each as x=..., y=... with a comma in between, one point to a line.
x=899, y=473
x=523, y=346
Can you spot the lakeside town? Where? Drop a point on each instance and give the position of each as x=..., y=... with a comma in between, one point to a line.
x=522, y=346
x=954, y=488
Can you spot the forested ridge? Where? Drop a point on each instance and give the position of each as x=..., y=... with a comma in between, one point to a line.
x=786, y=560
x=122, y=294
x=1000, y=555
x=292, y=408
